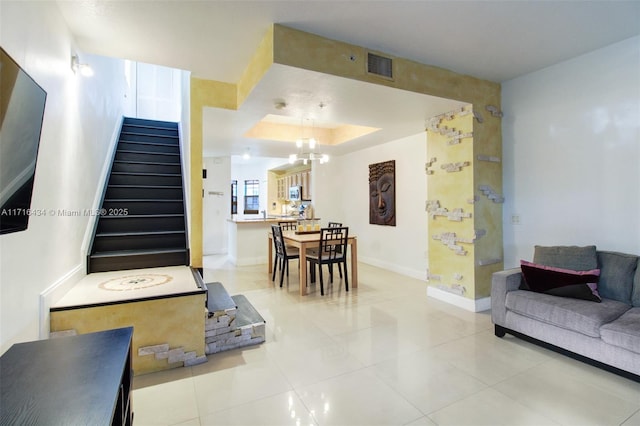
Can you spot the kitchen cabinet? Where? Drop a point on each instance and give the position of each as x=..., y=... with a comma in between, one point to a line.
x=306, y=184
x=298, y=177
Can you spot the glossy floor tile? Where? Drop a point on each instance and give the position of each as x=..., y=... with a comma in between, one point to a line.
x=381, y=354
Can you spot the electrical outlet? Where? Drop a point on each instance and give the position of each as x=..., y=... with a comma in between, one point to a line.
x=515, y=219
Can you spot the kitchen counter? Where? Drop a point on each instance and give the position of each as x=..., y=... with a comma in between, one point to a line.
x=244, y=234
x=268, y=219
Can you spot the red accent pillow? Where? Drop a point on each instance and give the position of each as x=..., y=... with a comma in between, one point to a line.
x=560, y=282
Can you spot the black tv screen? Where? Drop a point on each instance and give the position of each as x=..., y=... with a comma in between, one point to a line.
x=22, y=103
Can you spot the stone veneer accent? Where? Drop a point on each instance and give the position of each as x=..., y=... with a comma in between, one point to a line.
x=222, y=332
x=173, y=356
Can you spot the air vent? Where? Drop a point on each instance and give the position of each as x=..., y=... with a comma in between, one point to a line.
x=379, y=65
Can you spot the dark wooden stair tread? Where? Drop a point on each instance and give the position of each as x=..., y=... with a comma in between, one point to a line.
x=128, y=151
x=145, y=200
x=146, y=186
x=140, y=252
x=143, y=216
x=145, y=174
x=139, y=233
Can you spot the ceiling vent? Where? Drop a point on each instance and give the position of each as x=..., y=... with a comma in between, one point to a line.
x=379, y=65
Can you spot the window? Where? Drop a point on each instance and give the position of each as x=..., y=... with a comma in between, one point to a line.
x=234, y=197
x=251, y=196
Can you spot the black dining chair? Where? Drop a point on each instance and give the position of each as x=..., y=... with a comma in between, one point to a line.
x=291, y=225
x=336, y=225
x=283, y=253
x=332, y=249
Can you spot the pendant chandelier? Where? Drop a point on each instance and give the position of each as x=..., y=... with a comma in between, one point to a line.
x=307, y=150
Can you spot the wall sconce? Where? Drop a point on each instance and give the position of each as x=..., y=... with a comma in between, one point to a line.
x=76, y=66
x=246, y=154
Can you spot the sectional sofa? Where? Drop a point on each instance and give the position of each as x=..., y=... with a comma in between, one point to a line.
x=576, y=300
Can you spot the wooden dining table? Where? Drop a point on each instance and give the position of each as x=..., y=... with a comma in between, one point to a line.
x=303, y=241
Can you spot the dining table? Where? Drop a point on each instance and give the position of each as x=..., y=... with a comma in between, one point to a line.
x=306, y=240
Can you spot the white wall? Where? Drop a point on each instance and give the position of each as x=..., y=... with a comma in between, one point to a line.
x=341, y=194
x=571, y=144
x=216, y=205
x=158, y=92
x=82, y=116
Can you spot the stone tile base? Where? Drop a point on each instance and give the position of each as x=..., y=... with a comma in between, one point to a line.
x=173, y=356
x=222, y=332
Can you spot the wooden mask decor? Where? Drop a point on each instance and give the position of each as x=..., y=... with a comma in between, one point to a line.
x=382, y=193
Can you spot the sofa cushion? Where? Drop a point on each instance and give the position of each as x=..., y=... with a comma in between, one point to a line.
x=624, y=332
x=616, y=275
x=635, y=297
x=560, y=282
x=567, y=257
x=577, y=315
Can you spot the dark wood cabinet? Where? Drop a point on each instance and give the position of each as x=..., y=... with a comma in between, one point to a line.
x=78, y=380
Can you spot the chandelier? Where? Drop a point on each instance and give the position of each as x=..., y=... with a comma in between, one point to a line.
x=307, y=151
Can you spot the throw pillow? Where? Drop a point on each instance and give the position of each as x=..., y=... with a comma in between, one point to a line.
x=616, y=275
x=560, y=282
x=567, y=257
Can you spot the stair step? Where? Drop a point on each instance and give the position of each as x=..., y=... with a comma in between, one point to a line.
x=246, y=314
x=133, y=206
x=149, y=123
x=147, y=146
x=169, y=192
x=154, y=157
x=138, y=234
x=150, y=130
x=145, y=179
x=116, y=253
x=141, y=223
x=136, y=259
x=145, y=167
x=217, y=298
x=136, y=240
x=169, y=139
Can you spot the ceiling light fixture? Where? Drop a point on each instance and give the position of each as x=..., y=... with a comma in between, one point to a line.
x=84, y=69
x=308, y=148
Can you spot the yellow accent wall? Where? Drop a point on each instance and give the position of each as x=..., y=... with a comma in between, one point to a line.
x=464, y=249
x=182, y=325
x=216, y=94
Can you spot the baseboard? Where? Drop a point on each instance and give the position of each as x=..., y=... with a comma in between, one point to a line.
x=477, y=305
x=417, y=274
x=54, y=293
x=248, y=261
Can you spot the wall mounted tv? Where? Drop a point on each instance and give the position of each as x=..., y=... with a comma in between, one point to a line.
x=22, y=103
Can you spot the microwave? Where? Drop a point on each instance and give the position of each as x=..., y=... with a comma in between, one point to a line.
x=295, y=193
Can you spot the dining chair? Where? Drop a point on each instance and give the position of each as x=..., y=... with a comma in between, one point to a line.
x=283, y=253
x=289, y=225
x=332, y=249
x=336, y=225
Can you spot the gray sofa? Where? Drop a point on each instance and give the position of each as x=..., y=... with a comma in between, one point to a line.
x=606, y=334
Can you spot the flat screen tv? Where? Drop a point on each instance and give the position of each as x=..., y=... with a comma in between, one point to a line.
x=22, y=103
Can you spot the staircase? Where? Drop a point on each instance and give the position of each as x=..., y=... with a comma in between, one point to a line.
x=142, y=222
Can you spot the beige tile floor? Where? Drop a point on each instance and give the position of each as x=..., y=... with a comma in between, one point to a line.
x=383, y=354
